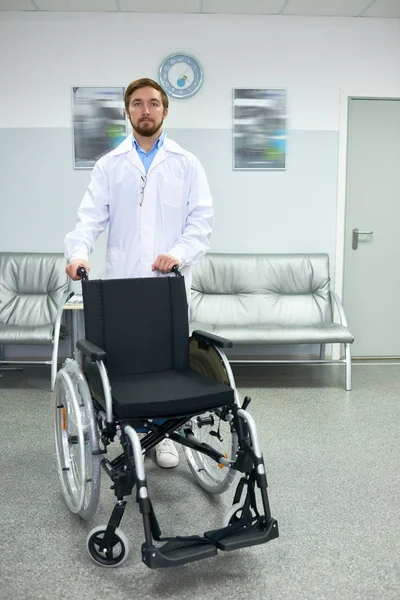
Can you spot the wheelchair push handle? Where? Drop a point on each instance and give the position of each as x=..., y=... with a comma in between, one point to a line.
x=177, y=271
x=82, y=273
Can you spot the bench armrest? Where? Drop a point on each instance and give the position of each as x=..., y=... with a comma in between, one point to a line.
x=91, y=350
x=339, y=305
x=210, y=338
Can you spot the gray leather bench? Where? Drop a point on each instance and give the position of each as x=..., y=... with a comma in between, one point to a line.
x=33, y=290
x=269, y=299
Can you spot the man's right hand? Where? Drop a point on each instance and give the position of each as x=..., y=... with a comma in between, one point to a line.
x=74, y=266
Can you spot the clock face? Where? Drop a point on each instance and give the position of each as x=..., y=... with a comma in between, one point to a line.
x=181, y=75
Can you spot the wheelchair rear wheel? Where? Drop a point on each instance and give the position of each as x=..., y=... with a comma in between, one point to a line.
x=211, y=428
x=76, y=437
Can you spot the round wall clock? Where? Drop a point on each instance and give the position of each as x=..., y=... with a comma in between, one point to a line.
x=180, y=75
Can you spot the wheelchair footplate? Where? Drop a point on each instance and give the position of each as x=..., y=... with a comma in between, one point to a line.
x=178, y=551
x=182, y=550
x=243, y=534
x=244, y=525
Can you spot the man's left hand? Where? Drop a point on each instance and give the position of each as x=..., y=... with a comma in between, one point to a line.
x=164, y=263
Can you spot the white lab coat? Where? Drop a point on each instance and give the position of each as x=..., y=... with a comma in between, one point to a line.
x=173, y=214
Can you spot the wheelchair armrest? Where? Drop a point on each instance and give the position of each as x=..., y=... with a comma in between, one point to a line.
x=91, y=350
x=210, y=338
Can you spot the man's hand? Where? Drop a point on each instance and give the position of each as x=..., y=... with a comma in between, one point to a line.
x=164, y=263
x=74, y=266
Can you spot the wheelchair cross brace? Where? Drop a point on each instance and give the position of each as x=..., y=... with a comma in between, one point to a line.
x=249, y=529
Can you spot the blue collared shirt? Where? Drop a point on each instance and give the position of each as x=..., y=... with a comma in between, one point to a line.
x=148, y=157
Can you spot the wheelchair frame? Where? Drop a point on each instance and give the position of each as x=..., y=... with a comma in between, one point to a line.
x=243, y=524
x=127, y=471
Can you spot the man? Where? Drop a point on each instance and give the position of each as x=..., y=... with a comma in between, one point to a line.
x=154, y=197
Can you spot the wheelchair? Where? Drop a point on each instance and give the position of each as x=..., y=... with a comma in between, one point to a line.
x=138, y=369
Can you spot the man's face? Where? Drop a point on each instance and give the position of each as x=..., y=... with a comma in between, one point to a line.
x=146, y=111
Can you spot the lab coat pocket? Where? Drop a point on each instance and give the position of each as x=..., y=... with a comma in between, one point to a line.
x=172, y=192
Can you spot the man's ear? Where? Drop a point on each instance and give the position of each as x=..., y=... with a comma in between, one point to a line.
x=165, y=112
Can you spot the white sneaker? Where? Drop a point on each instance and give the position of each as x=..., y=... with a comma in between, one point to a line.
x=166, y=454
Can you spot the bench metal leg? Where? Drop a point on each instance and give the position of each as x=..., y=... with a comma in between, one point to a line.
x=3, y=362
x=348, y=366
x=322, y=349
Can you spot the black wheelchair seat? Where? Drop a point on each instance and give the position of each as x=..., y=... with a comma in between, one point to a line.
x=166, y=394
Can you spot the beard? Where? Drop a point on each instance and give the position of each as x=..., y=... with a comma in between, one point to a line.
x=147, y=128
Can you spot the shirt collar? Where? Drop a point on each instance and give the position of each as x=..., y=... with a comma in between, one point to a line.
x=157, y=144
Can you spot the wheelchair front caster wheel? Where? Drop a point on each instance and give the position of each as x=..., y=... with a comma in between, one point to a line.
x=115, y=554
x=228, y=518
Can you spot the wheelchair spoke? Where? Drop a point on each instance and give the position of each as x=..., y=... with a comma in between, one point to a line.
x=213, y=430
x=76, y=438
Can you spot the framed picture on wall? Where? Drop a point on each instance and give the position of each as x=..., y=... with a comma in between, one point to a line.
x=259, y=129
x=99, y=123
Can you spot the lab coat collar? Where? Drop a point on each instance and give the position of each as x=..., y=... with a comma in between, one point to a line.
x=168, y=145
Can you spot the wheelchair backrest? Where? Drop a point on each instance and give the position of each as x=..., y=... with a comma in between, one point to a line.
x=142, y=324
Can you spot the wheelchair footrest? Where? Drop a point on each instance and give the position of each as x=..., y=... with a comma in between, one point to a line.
x=178, y=551
x=242, y=535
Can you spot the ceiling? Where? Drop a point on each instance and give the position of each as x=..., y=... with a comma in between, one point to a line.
x=334, y=8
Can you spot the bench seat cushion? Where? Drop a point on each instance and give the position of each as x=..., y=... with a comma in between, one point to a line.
x=325, y=333
x=25, y=334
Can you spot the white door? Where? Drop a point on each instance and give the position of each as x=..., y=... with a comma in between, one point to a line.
x=371, y=292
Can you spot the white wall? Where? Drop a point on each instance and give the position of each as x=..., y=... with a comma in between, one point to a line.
x=44, y=54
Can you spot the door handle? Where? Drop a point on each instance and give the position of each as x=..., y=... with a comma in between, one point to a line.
x=356, y=232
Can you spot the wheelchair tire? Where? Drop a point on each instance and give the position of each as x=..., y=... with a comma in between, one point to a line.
x=117, y=554
x=76, y=437
x=212, y=477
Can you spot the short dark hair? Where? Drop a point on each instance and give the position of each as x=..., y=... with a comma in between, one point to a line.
x=141, y=83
